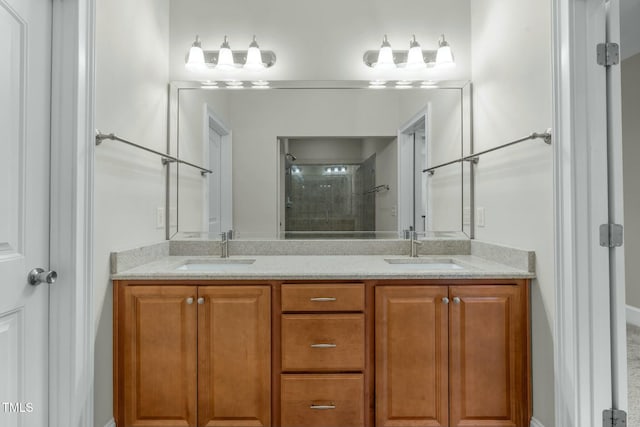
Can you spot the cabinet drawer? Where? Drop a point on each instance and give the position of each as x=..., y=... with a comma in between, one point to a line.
x=322, y=400
x=325, y=297
x=323, y=342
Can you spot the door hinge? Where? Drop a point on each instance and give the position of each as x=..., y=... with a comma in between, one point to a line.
x=611, y=235
x=608, y=54
x=614, y=418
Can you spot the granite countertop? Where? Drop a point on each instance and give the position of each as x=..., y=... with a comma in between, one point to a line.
x=310, y=267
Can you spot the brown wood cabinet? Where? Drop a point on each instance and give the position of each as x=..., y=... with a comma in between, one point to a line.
x=385, y=353
x=192, y=355
x=452, y=356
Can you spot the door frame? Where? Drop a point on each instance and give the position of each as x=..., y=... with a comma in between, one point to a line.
x=406, y=167
x=71, y=306
x=582, y=334
x=213, y=122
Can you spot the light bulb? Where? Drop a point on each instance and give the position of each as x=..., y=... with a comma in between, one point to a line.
x=195, y=61
x=254, y=57
x=415, y=59
x=385, y=56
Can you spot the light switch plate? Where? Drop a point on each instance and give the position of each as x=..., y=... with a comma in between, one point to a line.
x=160, y=219
x=480, y=217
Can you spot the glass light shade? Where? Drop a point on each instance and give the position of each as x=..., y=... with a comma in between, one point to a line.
x=415, y=59
x=195, y=60
x=444, y=56
x=225, y=57
x=254, y=59
x=385, y=56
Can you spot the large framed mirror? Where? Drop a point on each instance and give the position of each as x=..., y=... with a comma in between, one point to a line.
x=303, y=160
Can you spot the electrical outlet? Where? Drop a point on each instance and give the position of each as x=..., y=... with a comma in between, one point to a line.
x=393, y=211
x=480, y=217
x=160, y=219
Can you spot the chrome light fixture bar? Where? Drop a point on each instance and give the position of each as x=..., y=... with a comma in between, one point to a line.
x=413, y=59
x=253, y=59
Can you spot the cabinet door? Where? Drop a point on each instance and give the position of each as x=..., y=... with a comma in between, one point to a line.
x=488, y=356
x=159, y=355
x=411, y=356
x=234, y=356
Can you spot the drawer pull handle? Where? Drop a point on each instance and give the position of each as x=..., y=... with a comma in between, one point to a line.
x=332, y=406
x=323, y=345
x=323, y=299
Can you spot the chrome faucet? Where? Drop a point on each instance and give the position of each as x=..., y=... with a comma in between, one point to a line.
x=224, y=245
x=414, y=244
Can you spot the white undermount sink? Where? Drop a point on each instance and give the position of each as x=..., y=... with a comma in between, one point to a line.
x=424, y=264
x=215, y=264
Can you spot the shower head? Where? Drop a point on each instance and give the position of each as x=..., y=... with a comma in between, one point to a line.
x=291, y=157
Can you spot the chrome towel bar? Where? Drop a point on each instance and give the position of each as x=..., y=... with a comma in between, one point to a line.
x=100, y=137
x=545, y=136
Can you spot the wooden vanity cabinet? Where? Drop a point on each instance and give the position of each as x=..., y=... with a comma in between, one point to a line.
x=192, y=355
x=389, y=353
x=452, y=356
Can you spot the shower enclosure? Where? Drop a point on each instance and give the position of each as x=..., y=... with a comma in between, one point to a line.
x=330, y=200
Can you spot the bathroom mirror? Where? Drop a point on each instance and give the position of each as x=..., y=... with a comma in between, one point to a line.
x=309, y=160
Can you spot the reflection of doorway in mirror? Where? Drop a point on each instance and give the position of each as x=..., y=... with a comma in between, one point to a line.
x=218, y=192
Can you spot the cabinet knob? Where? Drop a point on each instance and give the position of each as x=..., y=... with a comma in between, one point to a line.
x=445, y=300
x=200, y=300
x=456, y=300
x=322, y=299
x=189, y=300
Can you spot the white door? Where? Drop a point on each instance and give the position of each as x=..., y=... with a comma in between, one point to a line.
x=25, y=74
x=219, y=189
x=616, y=216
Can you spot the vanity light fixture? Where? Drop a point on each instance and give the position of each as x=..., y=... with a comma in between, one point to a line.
x=253, y=60
x=415, y=58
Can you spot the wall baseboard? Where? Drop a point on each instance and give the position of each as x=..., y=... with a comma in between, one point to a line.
x=633, y=315
x=535, y=423
x=112, y=423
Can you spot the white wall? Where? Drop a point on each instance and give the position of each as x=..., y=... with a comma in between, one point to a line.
x=631, y=147
x=322, y=40
x=511, y=72
x=131, y=101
